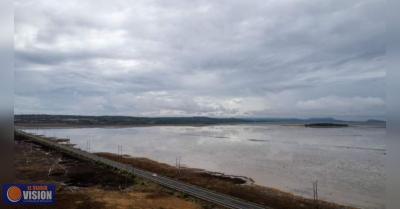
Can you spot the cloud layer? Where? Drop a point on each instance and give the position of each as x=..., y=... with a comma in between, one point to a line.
x=277, y=58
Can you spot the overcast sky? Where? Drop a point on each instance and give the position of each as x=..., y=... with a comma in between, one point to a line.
x=266, y=58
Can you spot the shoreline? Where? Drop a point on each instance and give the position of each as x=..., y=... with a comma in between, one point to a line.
x=71, y=126
x=239, y=186
x=63, y=125
x=224, y=175
x=76, y=176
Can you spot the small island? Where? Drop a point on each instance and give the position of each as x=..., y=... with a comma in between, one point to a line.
x=326, y=125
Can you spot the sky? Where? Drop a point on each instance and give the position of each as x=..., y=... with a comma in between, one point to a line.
x=217, y=58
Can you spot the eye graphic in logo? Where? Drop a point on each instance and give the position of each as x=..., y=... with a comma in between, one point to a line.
x=14, y=194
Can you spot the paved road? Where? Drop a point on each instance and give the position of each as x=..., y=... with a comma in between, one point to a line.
x=217, y=198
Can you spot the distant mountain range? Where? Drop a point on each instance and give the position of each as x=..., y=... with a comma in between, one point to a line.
x=80, y=120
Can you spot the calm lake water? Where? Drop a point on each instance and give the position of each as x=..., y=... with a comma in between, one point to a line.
x=347, y=162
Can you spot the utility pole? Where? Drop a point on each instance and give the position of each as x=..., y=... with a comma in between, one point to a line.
x=88, y=145
x=126, y=180
x=315, y=192
x=119, y=153
x=178, y=164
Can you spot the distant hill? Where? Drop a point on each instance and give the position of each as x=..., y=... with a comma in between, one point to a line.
x=80, y=120
x=297, y=120
x=119, y=120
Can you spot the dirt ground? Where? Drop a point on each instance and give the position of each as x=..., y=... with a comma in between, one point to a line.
x=82, y=185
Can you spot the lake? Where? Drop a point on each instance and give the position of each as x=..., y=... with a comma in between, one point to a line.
x=347, y=162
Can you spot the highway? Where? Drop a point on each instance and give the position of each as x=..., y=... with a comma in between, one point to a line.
x=195, y=191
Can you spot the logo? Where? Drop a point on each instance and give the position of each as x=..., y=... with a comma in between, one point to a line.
x=14, y=194
x=28, y=194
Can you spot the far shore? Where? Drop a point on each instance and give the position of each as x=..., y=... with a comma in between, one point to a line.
x=52, y=125
x=72, y=126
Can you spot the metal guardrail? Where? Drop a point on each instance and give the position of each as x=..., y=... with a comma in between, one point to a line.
x=205, y=194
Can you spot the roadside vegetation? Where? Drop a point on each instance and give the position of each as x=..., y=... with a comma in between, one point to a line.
x=81, y=185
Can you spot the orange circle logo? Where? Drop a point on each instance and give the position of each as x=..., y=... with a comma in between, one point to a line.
x=14, y=194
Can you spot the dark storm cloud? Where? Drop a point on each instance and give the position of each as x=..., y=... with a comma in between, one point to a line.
x=215, y=58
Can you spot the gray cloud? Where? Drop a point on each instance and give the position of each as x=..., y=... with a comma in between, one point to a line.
x=213, y=58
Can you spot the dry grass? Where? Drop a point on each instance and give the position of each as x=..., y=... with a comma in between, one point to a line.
x=85, y=186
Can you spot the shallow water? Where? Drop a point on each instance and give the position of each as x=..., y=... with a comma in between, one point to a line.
x=347, y=162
